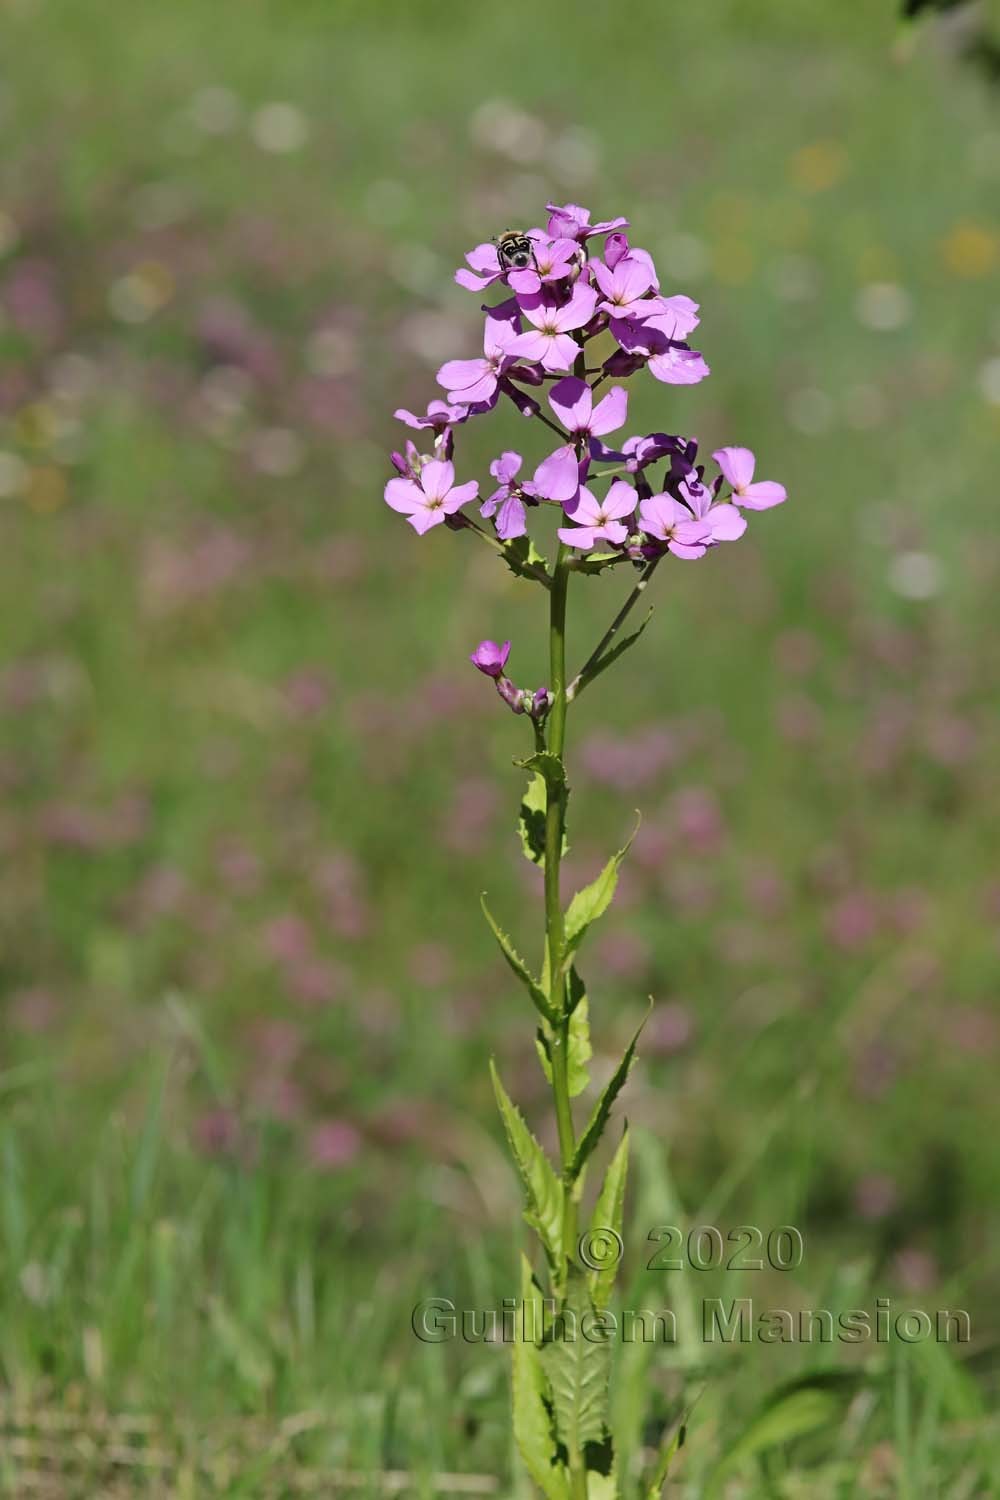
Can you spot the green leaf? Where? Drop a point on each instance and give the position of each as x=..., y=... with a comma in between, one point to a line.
x=517, y=963
x=533, y=1428
x=602, y=1109
x=542, y=1187
x=578, y=1368
x=800, y=1407
x=617, y=650
x=548, y=772
x=593, y=901
x=609, y=1213
x=668, y=1453
x=523, y=558
x=580, y=1051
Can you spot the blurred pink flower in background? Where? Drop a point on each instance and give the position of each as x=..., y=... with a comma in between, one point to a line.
x=333, y=1143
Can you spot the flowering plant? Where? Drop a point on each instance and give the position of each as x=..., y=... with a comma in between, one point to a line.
x=571, y=322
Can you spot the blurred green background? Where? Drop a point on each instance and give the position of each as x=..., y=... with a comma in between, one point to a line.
x=252, y=786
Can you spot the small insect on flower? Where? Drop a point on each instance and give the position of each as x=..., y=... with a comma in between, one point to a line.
x=514, y=252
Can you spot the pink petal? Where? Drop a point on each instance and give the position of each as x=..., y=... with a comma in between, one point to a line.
x=472, y=282
x=577, y=536
x=572, y=403
x=460, y=495
x=621, y=500
x=484, y=259
x=632, y=279
x=531, y=345
x=558, y=476
x=679, y=367
x=674, y=317
x=610, y=412
x=462, y=374
x=422, y=520
x=524, y=282
x=604, y=277
x=612, y=531
x=726, y=522
x=585, y=509
x=578, y=310
x=762, y=495
x=403, y=495
x=682, y=549
x=561, y=353
x=437, y=478
x=511, y=519
x=737, y=464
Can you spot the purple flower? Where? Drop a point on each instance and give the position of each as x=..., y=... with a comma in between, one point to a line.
x=558, y=476
x=670, y=360
x=737, y=464
x=486, y=269
x=505, y=502
x=724, y=521
x=640, y=452
x=490, y=658
x=573, y=403
x=624, y=287
x=426, y=501
x=600, y=519
x=439, y=416
x=555, y=259
x=571, y=221
x=549, y=341
x=667, y=520
x=675, y=317
x=471, y=381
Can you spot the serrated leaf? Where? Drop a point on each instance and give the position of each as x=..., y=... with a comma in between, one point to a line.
x=533, y=1426
x=580, y=1050
x=523, y=558
x=548, y=771
x=668, y=1453
x=543, y=1190
x=609, y=1213
x=578, y=1369
x=803, y=1406
x=602, y=1109
x=517, y=963
x=593, y=901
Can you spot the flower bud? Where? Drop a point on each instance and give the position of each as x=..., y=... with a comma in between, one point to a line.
x=490, y=658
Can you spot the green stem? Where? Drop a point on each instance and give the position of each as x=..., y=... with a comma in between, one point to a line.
x=555, y=822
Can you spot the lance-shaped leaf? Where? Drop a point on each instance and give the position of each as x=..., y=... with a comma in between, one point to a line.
x=517, y=963
x=580, y=1051
x=534, y=1430
x=804, y=1405
x=577, y=1360
x=548, y=772
x=602, y=1109
x=610, y=655
x=542, y=1188
x=593, y=901
x=668, y=1453
x=609, y=1213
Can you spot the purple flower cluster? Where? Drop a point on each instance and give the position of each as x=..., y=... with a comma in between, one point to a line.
x=562, y=303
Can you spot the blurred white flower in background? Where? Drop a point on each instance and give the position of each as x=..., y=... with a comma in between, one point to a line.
x=279, y=127
x=883, y=306
x=915, y=575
